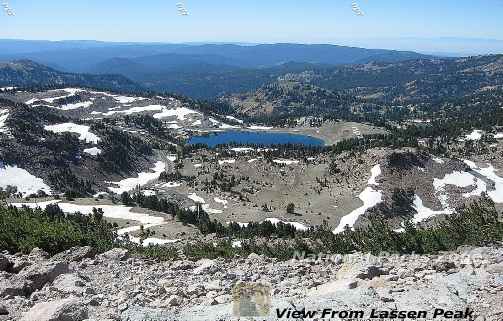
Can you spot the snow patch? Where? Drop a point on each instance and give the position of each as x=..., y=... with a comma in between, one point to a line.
x=490, y=173
x=95, y=151
x=424, y=212
x=234, y=119
x=370, y=198
x=129, y=184
x=260, y=128
x=25, y=182
x=459, y=179
x=285, y=161
x=375, y=172
x=298, y=226
x=171, y=185
x=475, y=135
x=242, y=149
x=82, y=130
x=227, y=161
x=67, y=107
x=196, y=198
x=180, y=113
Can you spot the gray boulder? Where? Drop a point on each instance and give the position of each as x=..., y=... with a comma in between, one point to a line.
x=40, y=274
x=69, y=284
x=15, y=286
x=75, y=254
x=62, y=310
x=3, y=310
x=116, y=254
x=5, y=264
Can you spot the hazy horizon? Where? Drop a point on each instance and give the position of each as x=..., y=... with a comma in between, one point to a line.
x=437, y=46
x=461, y=26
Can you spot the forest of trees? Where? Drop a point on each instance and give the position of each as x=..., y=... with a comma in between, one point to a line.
x=479, y=224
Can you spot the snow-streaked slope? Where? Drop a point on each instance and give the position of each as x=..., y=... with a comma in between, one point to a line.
x=129, y=184
x=4, y=113
x=459, y=179
x=490, y=173
x=25, y=182
x=82, y=130
x=370, y=198
x=180, y=113
x=424, y=212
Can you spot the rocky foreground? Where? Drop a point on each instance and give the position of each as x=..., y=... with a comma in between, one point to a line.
x=81, y=285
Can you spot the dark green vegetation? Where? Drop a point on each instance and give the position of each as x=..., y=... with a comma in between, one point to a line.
x=378, y=92
x=21, y=230
x=52, y=231
x=26, y=73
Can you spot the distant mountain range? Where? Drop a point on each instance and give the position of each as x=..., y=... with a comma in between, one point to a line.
x=200, y=71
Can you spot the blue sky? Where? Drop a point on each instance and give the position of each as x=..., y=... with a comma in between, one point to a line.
x=307, y=21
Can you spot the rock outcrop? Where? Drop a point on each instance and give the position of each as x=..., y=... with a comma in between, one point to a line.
x=77, y=285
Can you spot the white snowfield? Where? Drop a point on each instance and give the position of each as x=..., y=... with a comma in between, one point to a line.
x=4, y=113
x=180, y=113
x=424, y=212
x=164, y=112
x=438, y=160
x=475, y=135
x=459, y=179
x=227, y=126
x=242, y=149
x=221, y=201
x=130, y=184
x=109, y=211
x=152, y=241
x=71, y=92
x=134, y=110
x=489, y=172
x=25, y=182
x=375, y=172
x=206, y=207
x=498, y=136
x=234, y=119
x=370, y=198
x=114, y=212
x=226, y=161
x=67, y=107
x=95, y=151
x=286, y=161
x=254, y=127
x=171, y=185
x=275, y=221
x=82, y=130
x=298, y=226
x=126, y=99
x=196, y=198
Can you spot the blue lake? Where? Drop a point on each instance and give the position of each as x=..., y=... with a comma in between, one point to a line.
x=254, y=138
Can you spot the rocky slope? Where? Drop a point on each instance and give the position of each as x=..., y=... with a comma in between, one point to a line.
x=80, y=285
